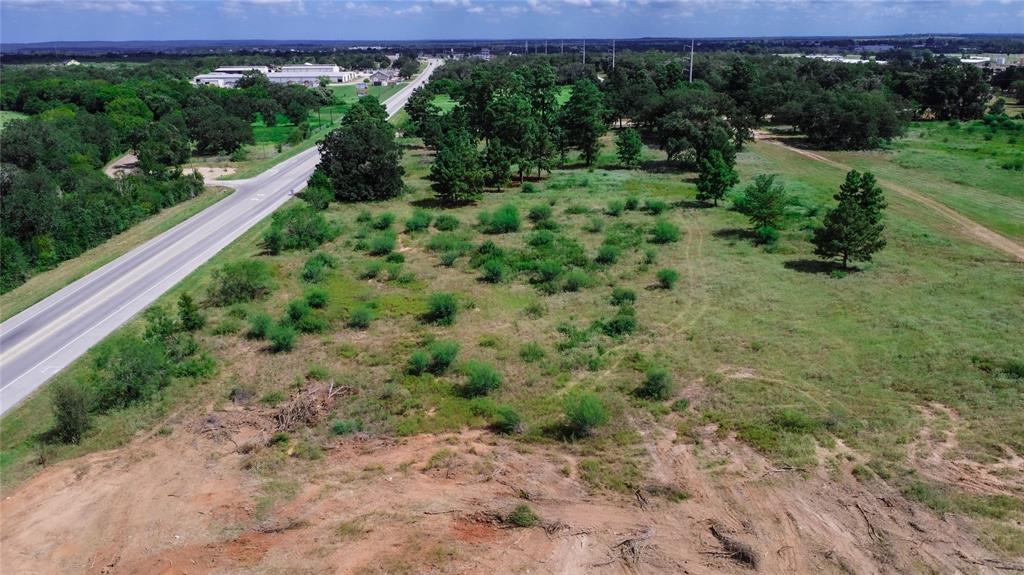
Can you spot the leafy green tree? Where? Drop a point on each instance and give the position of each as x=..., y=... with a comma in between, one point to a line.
x=763, y=202
x=853, y=229
x=456, y=172
x=715, y=178
x=361, y=157
x=628, y=147
x=583, y=119
x=496, y=164
x=130, y=370
x=70, y=404
x=163, y=148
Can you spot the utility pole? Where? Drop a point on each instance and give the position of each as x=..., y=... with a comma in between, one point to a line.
x=584, y=51
x=613, y=54
x=526, y=46
x=691, y=60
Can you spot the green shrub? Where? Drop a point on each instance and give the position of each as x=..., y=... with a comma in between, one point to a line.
x=540, y=239
x=650, y=256
x=594, y=225
x=522, y=516
x=529, y=188
x=531, y=352
x=681, y=404
x=607, y=254
x=241, y=281
x=493, y=271
x=448, y=242
x=382, y=243
x=315, y=268
x=615, y=208
x=259, y=326
x=384, y=221
x=667, y=278
x=189, y=316
x=584, y=412
x=441, y=309
x=481, y=379
x=419, y=361
x=624, y=323
x=502, y=221
x=548, y=271
x=623, y=296
x=539, y=212
x=448, y=258
x=655, y=207
x=576, y=280
x=657, y=384
x=419, y=221
x=446, y=223
x=301, y=317
x=576, y=209
x=364, y=217
x=361, y=317
x=229, y=326
x=664, y=232
x=346, y=426
x=766, y=235
x=70, y=404
x=442, y=355
x=506, y=420
x=632, y=203
x=298, y=227
x=395, y=258
x=282, y=338
x=316, y=298
x=129, y=370
x=372, y=270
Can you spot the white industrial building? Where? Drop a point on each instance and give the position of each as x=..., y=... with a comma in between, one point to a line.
x=305, y=74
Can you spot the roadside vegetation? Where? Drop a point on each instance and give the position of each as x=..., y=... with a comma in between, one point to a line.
x=524, y=266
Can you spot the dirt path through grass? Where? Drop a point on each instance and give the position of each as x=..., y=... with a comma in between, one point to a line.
x=965, y=225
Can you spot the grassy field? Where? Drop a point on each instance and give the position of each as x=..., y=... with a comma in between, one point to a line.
x=43, y=284
x=7, y=116
x=766, y=343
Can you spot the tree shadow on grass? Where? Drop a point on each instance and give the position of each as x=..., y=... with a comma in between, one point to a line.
x=693, y=205
x=809, y=266
x=436, y=204
x=736, y=234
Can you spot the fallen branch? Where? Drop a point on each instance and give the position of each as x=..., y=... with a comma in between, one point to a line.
x=737, y=550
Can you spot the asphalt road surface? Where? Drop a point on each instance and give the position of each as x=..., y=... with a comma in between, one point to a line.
x=47, y=337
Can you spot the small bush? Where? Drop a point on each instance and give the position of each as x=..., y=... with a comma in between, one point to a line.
x=361, y=317
x=481, y=379
x=316, y=298
x=522, y=516
x=441, y=309
x=372, y=270
x=650, y=256
x=681, y=404
x=346, y=426
x=240, y=281
x=448, y=258
x=766, y=235
x=189, y=316
x=448, y=242
x=506, y=420
x=632, y=203
x=229, y=326
x=655, y=207
x=364, y=217
x=317, y=372
x=419, y=361
x=624, y=323
x=576, y=280
x=442, y=355
x=493, y=271
x=70, y=404
x=315, y=268
x=446, y=223
x=259, y=326
x=539, y=212
x=548, y=271
x=594, y=225
x=384, y=221
x=657, y=384
x=529, y=188
x=504, y=220
x=615, y=208
x=667, y=278
x=664, y=232
x=395, y=258
x=623, y=296
x=382, y=243
x=298, y=227
x=531, y=352
x=576, y=209
x=540, y=239
x=584, y=412
x=301, y=317
x=419, y=221
x=607, y=255
x=282, y=338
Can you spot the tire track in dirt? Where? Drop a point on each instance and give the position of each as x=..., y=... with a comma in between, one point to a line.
x=966, y=226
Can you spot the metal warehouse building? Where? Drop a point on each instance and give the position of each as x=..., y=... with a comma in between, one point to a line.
x=305, y=74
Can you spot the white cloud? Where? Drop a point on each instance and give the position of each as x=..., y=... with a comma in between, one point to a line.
x=138, y=7
x=239, y=7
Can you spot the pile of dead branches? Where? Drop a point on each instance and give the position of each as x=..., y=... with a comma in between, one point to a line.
x=309, y=406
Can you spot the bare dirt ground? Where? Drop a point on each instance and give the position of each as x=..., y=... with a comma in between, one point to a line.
x=203, y=499
x=966, y=226
x=211, y=173
x=126, y=164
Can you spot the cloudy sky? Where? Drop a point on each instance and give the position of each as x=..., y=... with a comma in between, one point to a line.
x=45, y=20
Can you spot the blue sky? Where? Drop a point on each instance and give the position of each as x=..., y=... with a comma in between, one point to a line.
x=46, y=20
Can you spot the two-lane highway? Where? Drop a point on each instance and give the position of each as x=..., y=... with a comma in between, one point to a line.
x=47, y=337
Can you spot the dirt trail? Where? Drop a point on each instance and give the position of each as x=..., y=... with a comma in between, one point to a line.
x=219, y=502
x=963, y=224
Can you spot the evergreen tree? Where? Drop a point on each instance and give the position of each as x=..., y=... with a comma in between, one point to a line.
x=628, y=147
x=456, y=170
x=583, y=119
x=716, y=176
x=763, y=202
x=361, y=158
x=853, y=229
x=496, y=164
x=189, y=316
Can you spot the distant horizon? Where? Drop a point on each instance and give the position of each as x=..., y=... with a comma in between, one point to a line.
x=48, y=21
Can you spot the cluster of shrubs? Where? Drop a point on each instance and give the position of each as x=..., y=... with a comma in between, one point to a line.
x=300, y=317
x=298, y=227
